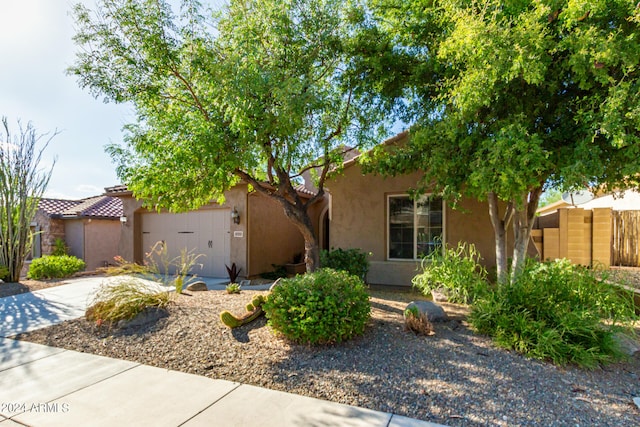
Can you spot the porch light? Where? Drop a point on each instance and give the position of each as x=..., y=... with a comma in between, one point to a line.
x=123, y=220
x=235, y=216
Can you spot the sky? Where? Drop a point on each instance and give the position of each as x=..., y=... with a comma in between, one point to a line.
x=36, y=47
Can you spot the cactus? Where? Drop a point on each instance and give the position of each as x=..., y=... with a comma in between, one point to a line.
x=254, y=310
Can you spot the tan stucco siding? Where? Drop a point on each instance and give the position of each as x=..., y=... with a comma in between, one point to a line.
x=274, y=238
x=74, y=237
x=130, y=245
x=359, y=220
x=101, y=238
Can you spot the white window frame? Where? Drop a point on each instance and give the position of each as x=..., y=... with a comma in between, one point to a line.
x=415, y=218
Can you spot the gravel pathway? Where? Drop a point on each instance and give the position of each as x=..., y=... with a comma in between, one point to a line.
x=454, y=377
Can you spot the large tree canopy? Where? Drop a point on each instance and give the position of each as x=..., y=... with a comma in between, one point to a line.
x=510, y=97
x=256, y=92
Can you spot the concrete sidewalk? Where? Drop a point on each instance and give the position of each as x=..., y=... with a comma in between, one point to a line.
x=48, y=386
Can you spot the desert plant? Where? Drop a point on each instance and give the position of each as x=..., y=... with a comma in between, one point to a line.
x=54, y=267
x=233, y=272
x=354, y=261
x=417, y=322
x=556, y=311
x=233, y=288
x=124, y=300
x=161, y=265
x=456, y=270
x=123, y=267
x=22, y=183
x=60, y=247
x=254, y=310
x=326, y=306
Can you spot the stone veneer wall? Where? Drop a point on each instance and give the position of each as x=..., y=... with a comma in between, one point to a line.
x=50, y=230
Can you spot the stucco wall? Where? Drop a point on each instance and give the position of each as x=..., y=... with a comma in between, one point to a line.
x=274, y=238
x=130, y=245
x=74, y=237
x=101, y=238
x=359, y=220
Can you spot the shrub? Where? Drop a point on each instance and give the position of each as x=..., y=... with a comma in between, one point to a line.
x=354, y=261
x=417, y=322
x=54, y=267
x=60, y=248
x=456, y=270
x=4, y=272
x=124, y=267
x=124, y=300
x=556, y=311
x=323, y=307
x=233, y=288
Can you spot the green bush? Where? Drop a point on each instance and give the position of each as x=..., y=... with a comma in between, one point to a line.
x=124, y=300
x=354, y=261
x=455, y=270
x=54, y=267
x=324, y=307
x=556, y=311
x=60, y=248
x=4, y=272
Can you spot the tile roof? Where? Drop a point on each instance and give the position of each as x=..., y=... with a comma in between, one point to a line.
x=117, y=189
x=55, y=206
x=93, y=207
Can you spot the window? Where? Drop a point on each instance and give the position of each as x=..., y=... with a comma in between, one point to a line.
x=415, y=226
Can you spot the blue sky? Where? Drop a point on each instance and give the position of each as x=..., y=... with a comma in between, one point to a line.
x=35, y=50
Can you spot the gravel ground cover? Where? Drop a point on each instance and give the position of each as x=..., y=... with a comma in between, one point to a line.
x=454, y=377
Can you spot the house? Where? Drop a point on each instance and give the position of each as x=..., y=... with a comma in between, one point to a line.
x=603, y=231
x=249, y=229
x=89, y=227
x=376, y=214
x=369, y=212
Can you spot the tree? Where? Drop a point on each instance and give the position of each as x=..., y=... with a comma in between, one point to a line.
x=509, y=98
x=259, y=93
x=22, y=183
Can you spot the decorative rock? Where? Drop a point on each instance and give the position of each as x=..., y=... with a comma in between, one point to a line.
x=628, y=345
x=197, y=286
x=148, y=315
x=636, y=400
x=433, y=311
x=440, y=295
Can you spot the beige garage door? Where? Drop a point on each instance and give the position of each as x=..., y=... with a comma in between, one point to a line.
x=202, y=232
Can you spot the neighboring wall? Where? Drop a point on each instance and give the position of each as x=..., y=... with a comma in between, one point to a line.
x=93, y=240
x=101, y=239
x=359, y=220
x=580, y=235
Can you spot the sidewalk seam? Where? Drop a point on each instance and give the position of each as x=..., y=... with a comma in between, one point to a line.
x=210, y=405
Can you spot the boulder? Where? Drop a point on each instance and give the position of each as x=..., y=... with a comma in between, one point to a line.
x=433, y=311
x=629, y=345
x=146, y=316
x=197, y=286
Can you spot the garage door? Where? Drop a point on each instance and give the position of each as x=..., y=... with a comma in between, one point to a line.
x=202, y=232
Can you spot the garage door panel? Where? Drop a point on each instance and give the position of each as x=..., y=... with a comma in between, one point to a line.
x=203, y=232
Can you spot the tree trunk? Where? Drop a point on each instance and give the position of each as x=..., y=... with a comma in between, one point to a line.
x=299, y=215
x=500, y=233
x=522, y=225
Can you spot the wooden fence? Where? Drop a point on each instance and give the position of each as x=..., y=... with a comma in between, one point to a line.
x=625, y=249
